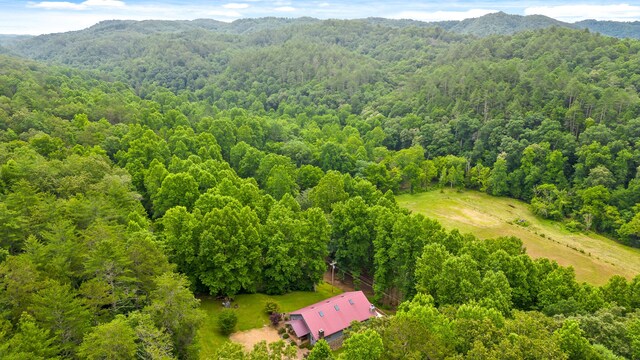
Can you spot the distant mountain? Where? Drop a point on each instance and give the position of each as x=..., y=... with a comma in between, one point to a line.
x=8, y=39
x=612, y=28
x=245, y=26
x=501, y=23
x=241, y=26
x=504, y=24
x=194, y=54
x=498, y=23
x=402, y=23
x=129, y=38
x=151, y=26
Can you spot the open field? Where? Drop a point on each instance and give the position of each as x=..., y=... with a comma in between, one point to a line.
x=595, y=258
x=251, y=313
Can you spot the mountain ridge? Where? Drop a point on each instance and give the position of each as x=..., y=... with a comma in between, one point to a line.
x=498, y=23
x=501, y=23
x=617, y=29
x=182, y=54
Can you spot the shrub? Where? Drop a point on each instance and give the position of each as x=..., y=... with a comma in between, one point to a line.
x=271, y=307
x=285, y=336
x=275, y=318
x=574, y=226
x=282, y=330
x=227, y=321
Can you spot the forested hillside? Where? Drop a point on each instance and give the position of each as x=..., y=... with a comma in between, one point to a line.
x=145, y=162
x=556, y=110
x=612, y=28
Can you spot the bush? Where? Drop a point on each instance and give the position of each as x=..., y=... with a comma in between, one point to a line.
x=285, y=336
x=227, y=321
x=271, y=307
x=282, y=330
x=574, y=226
x=275, y=318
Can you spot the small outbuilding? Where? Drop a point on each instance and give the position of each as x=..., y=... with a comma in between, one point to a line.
x=328, y=319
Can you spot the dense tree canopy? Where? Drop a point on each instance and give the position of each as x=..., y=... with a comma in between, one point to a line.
x=182, y=164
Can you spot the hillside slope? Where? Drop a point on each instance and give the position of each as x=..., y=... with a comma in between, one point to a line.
x=612, y=28
x=594, y=258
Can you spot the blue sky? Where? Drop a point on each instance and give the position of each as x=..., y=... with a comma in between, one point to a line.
x=40, y=17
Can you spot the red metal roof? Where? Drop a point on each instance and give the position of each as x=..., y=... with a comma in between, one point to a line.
x=336, y=313
x=299, y=327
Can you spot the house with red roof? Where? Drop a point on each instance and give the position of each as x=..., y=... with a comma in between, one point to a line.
x=328, y=319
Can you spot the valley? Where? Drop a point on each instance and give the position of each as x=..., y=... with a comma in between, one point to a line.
x=151, y=169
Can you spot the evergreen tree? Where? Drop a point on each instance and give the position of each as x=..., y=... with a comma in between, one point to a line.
x=498, y=179
x=113, y=340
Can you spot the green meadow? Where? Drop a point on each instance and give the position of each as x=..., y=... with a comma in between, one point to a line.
x=595, y=258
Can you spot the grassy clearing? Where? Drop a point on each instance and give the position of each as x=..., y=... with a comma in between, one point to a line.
x=251, y=312
x=595, y=258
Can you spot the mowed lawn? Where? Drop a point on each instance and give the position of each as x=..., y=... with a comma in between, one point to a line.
x=251, y=313
x=595, y=258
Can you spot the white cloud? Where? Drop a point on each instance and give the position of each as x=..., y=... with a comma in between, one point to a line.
x=57, y=5
x=48, y=22
x=442, y=15
x=324, y=4
x=104, y=3
x=224, y=13
x=285, y=9
x=577, y=12
x=65, y=5
x=235, y=6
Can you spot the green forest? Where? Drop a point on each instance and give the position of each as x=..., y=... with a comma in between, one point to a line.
x=144, y=164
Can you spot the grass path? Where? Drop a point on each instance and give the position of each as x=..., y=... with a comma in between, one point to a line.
x=595, y=258
x=251, y=313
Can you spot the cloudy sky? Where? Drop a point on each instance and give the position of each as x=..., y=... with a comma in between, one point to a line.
x=40, y=17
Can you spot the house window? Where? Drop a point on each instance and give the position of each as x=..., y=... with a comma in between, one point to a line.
x=321, y=313
x=351, y=302
x=336, y=307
